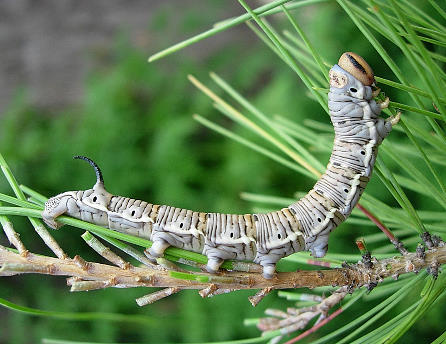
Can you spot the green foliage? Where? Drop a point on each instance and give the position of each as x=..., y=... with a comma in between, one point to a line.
x=138, y=114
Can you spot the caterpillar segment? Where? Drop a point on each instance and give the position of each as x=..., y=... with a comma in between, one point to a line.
x=130, y=216
x=352, y=156
x=318, y=216
x=263, y=238
x=278, y=235
x=175, y=227
x=228, y=236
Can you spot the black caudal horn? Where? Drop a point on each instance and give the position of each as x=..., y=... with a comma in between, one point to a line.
x=99, y=178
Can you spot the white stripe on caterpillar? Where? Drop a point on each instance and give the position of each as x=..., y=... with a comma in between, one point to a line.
x=262, y=238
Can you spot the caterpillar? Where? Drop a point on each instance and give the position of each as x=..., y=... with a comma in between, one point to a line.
x=262, y=238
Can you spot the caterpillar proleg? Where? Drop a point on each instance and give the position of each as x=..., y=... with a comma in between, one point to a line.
x=263, y=238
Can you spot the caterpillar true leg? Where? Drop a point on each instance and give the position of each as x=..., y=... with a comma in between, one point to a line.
x=375, y=92
x=385, y=103
x=305, y=225
x=394, y=119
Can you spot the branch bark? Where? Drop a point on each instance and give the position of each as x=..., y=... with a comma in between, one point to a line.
x=355, y=275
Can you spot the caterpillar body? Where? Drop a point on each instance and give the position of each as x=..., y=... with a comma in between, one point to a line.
x=263, y=238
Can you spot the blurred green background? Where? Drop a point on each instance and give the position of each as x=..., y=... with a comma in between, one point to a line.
x=134, y=119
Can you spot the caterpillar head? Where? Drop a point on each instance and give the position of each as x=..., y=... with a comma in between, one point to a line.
x=97, y=197
x=352, y=76
x=356, y=66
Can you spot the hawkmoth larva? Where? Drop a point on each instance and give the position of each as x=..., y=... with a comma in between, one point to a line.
x=262, y=238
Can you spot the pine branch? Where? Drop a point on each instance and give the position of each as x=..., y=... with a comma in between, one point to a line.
x=89, y=275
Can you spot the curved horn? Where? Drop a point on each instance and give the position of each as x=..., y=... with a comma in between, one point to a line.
x=99, y=178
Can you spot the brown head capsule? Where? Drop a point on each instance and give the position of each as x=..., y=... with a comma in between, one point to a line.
x=356, y=66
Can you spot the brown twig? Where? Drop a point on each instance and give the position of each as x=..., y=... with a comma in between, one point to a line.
x=208, y=291
x=158, y=295
x=355, y=275
x=13, y=236
x=48, y=239
x=398, y=244
x=315, y=327
x=255, y=299
x=77, y=285
x=378, y=223
x=298, y=318
x=104, y=251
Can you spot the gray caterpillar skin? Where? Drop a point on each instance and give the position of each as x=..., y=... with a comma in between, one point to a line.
x=263, y=238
